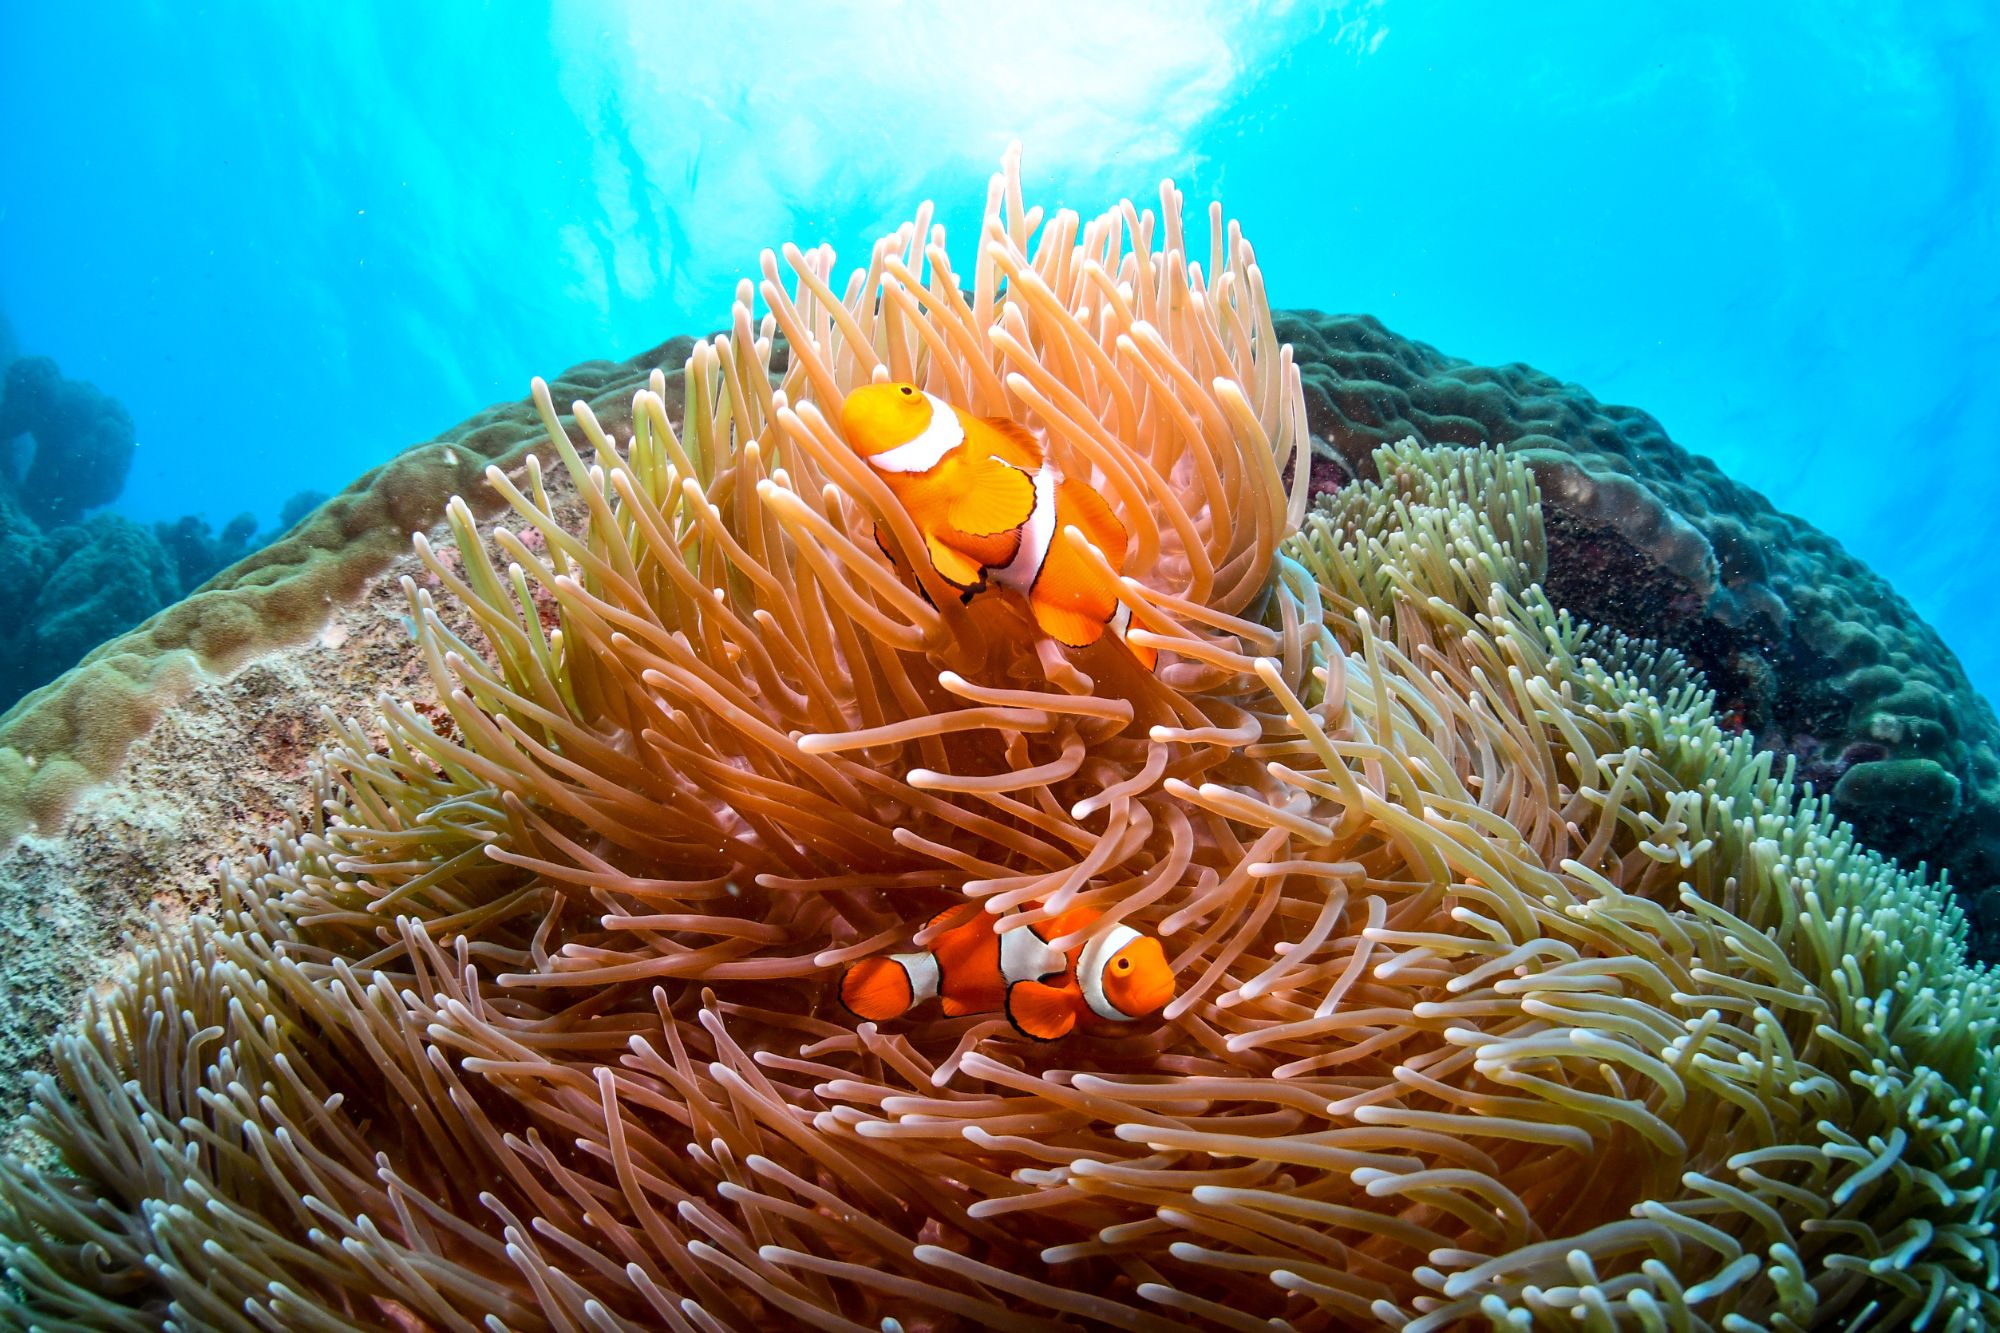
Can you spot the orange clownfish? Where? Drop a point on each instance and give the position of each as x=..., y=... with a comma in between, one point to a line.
x=989, y=506
x=1114, y=976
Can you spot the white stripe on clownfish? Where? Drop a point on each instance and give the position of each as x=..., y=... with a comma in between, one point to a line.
x=1090, y=966
x=1026, y=956
x=944, y=434
x=1037, y=534
x=922, y=970
x=1121, y=620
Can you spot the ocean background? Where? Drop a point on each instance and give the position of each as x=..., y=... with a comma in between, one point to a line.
x=292, y=241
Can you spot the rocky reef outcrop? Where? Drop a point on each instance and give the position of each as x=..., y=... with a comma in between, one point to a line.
x=1809, y=650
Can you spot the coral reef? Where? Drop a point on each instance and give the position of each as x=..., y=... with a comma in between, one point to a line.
x=67, y=736
x=1812, y=653
x=71, y=588
x=68, y=590
x=199, y=553
x=1514, y=986
x=83, y=441
x=103, y=574
x=71, y=582
x=295, y=509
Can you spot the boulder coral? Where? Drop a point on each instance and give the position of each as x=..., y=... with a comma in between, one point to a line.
x=1513, y=987
x=83, y=440
x=65, y=591
x=68, y=582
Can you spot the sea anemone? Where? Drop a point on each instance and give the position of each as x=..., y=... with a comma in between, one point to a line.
x=1512, y=988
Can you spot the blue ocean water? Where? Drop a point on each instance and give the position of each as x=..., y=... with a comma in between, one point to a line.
x=292, y=239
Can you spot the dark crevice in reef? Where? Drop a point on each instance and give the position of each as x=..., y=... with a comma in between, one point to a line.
x=1598, y=575
x=1806, y=648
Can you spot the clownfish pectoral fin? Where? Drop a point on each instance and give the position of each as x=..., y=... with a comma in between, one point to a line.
x=991, y=498
x=1043, y=1011
x=877, y=989
x=1039, y=1010
x=954, y=1007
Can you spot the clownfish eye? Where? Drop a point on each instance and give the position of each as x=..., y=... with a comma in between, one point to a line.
x=907, y=391
x=1123, y=964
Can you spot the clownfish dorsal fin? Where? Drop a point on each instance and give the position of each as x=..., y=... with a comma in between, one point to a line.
x=1075, y=920
x=1091, y=513
x=1020, y=438
x=1039, y=1010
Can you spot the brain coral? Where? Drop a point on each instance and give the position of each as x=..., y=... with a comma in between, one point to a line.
x=1809, y=650
x=1513, y=988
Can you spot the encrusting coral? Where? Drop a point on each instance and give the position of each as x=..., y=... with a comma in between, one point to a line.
x=1512, y=989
